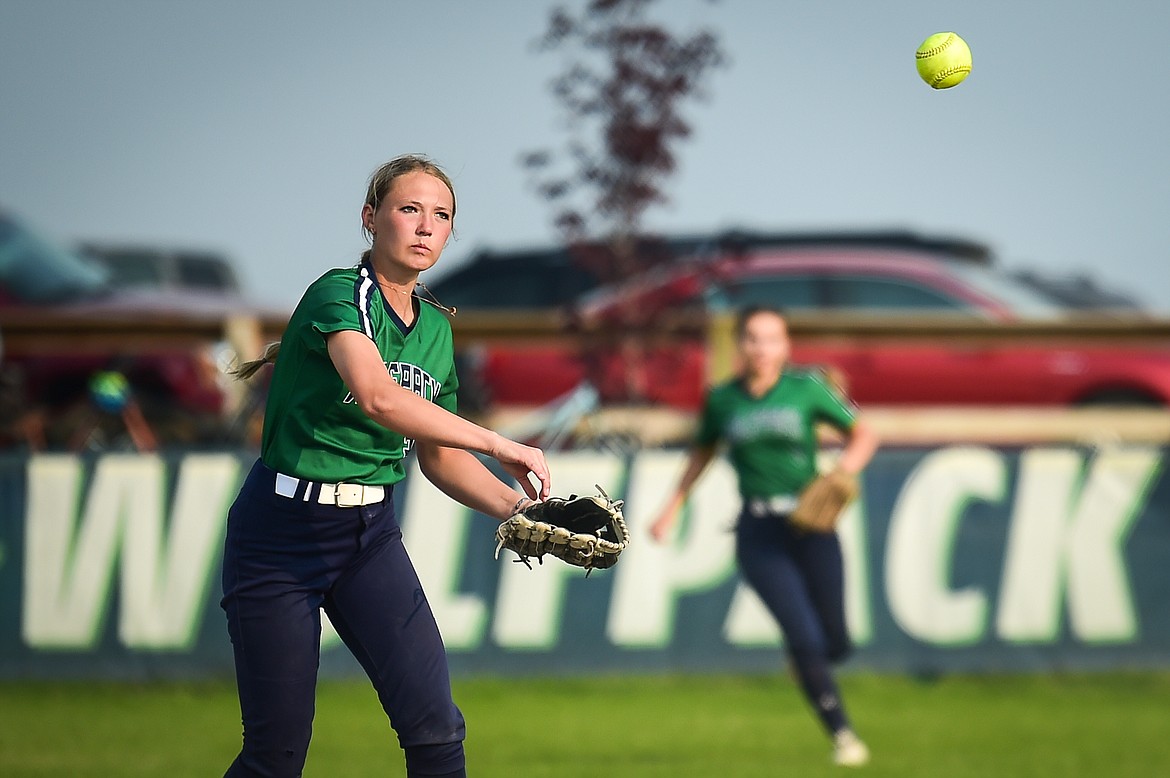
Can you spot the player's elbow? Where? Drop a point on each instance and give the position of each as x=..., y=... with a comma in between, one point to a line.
x=868, y=434
x=443, y=466
x=863, y=441
x=379, y=403
x=430, y=457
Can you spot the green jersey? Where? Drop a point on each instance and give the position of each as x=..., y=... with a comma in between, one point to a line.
x=772, y=439
x=313, y=428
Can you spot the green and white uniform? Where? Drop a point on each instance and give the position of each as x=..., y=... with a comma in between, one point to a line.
x=799, y=576
x=313, y=428
x=772, y=440
x=298, y=544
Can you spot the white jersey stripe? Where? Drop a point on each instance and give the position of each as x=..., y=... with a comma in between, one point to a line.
x=365, y=288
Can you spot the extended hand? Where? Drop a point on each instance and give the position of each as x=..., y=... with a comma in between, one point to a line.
x=521, y=461
x=660, y=529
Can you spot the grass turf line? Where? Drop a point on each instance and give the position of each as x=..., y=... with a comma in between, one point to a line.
x=638, y=726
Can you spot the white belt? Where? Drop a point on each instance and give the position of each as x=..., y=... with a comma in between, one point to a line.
x=341, y=495
x=770, y=506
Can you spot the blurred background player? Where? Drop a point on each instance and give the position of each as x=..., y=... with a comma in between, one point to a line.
x=365, y=373
x=767, y=417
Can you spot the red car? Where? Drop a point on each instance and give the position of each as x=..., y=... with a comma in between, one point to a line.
x=875, y=282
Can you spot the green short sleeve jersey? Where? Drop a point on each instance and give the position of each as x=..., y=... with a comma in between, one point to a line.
x=313, y=428
x=772, y=440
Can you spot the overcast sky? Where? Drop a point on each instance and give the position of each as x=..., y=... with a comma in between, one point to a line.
x=251, y=126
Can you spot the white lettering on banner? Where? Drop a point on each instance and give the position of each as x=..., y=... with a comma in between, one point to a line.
x=749, y=623
x=530, y=603
x=65, y=593
x=164, y=574
x=1065, y=552
x=920, y=546
x=651, y=577
x=441, y=526
x=1068, y=530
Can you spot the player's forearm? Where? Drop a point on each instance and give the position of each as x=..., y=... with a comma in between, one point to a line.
x=859, y=449
x=382, y=399
x=463, y=478
x=415, y=417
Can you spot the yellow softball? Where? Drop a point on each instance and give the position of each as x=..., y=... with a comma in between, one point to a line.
x=944, y=60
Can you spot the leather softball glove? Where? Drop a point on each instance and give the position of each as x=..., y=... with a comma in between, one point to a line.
x=587, y=532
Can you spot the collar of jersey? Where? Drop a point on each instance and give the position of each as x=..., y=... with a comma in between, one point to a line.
x=742, y=383
x=402, y=326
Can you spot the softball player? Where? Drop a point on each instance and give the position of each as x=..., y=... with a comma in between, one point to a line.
x=365, y=374
x=766, y=417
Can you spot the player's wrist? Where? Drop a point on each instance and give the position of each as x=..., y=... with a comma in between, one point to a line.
x=489, y=443
x=521, y=504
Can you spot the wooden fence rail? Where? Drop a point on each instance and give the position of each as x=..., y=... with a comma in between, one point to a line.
x=28, y=332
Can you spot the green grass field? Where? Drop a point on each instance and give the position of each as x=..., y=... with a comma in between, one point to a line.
x=724, y=726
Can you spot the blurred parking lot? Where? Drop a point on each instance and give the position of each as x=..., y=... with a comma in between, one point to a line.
x=159, y=323
x=545, y=341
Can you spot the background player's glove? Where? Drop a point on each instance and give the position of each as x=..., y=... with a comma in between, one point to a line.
x=822, y=501
x=588, y=532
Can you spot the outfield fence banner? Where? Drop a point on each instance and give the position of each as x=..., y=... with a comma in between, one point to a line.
x=958, y=558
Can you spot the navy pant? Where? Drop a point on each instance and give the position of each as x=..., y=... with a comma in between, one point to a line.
x=801, y=579
x=286, y=559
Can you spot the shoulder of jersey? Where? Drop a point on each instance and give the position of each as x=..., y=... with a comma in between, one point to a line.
x=345, y=274
x=820, y=375
x=338, y=276
x=723, y=388
x=432, y=316
x=807, y=372
x=813, y=375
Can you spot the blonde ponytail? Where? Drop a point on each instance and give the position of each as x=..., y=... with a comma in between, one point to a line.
x=246, y=370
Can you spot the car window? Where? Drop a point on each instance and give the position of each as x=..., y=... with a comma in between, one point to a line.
x=867, y=293
x=133, y=268
x=521, y=290
x=788, y=293
x=511, y=285
x=1009, y=291
x=205, y=273
x=149, y=268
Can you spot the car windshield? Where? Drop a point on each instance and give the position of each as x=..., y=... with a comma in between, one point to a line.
x=1021, y=299
x=34, y=271
x=133, y=268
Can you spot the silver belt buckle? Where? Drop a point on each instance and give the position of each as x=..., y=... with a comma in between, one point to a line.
x=349, y=495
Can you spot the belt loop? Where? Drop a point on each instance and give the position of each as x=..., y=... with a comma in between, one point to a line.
x=311, y=489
